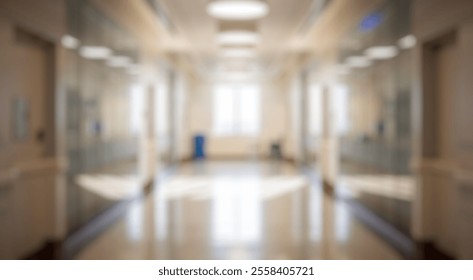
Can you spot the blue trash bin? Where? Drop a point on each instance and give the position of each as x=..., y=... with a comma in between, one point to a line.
x=199, y=147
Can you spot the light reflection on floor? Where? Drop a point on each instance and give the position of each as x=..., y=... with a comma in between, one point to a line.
x=389, y=186
x=238, y=210
x=111, y=187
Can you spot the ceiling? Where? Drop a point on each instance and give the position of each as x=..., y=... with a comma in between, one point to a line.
x=196, y=30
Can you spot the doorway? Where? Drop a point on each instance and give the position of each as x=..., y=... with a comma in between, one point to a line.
x=440, y=57
x=439, y=83
x=32, y=103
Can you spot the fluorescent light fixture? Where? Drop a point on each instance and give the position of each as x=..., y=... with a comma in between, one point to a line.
x=358, y=62
x=239, y=53
x=70, y=42
x=238, y=38
x=119, y=61
x=238, y=9
x=407, y=42
x=95, y=52
x=382, y=52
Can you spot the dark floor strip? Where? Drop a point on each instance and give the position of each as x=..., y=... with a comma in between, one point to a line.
x=398, y=240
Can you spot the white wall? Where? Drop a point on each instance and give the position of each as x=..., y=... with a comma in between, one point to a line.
x=33, y=187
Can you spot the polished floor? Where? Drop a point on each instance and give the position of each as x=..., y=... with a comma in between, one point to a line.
x=238, y=210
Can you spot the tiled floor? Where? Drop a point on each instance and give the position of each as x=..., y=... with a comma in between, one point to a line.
x=238, y=210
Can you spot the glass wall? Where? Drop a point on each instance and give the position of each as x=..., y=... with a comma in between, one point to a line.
x=101, y=63
x=375, y=148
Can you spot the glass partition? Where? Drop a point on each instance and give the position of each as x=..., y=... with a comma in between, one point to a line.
x=102, y=140
x=375, y=148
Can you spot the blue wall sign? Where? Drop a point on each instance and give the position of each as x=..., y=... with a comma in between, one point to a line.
x=371, y=22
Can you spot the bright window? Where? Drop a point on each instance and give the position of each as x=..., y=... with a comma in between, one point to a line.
x=136, y=109
x=315, y=110
x=236, y=110
x=341, y=108
x=162, y=112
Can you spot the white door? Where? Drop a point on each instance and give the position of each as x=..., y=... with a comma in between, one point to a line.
x=30, y=99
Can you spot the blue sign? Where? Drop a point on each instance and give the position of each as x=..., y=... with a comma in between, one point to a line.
x=371, y=22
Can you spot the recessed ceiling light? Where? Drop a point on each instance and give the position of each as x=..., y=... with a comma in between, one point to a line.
x=95, y=52
x=70, y=42
x=238, y=52
x=238, y=9
x=382, y=52
x=358, y=62
x=407, y=42
x=240, y=37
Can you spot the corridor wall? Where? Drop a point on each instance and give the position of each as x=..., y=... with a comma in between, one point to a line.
x=31, y=163
x=444, y=215
x=102, y=137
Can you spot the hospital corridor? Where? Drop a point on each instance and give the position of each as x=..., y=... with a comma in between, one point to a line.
x=236, y=130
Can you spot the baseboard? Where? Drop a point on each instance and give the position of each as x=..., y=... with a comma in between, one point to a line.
x=290, y=160
x=428, y=251
x=51, y=250
x=185, y=160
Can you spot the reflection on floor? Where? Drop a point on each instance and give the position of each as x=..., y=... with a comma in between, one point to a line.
x=92, y=193
x=390, y=186
x=111, y=187
x=236, y=210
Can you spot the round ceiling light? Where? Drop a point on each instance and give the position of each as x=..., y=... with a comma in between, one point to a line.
x=238, y=38
x=119, y=61
x=238, y=53
x=70, y=42
x=382, y=52
x=238, y=9
x=407, y=42
x=358, y=62
x=95, y=52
